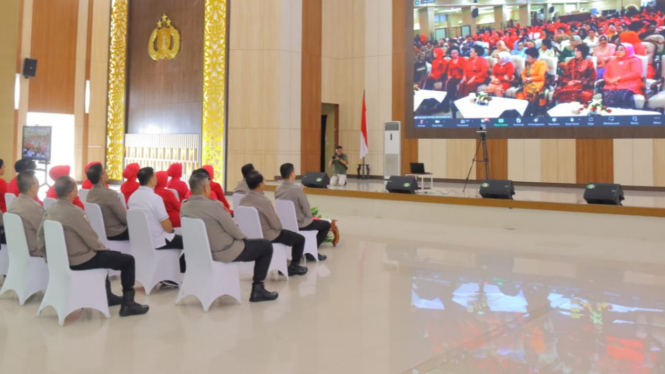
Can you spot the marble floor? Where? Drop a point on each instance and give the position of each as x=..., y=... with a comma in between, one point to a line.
x=460, y=300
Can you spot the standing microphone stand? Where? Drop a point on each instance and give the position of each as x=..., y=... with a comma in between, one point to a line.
x=482, y=133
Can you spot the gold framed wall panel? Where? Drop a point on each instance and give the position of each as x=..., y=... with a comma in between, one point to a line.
x=213, y=128
x=115, y=125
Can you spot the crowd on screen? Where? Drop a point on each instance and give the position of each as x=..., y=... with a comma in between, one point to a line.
x=616, y=58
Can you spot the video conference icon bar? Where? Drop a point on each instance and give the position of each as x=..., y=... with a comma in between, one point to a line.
x=535, y=122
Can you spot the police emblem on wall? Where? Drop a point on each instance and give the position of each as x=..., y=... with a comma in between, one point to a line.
x=164, y=41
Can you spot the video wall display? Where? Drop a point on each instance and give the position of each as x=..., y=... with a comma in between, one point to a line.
x=570, y=67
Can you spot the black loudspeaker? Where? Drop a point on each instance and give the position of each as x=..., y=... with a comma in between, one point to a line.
x=315, y=180
x=402, y=184
x=497, y=189
x=474, y=13
x=551, y=10
x=29, y=68
x=603, y=194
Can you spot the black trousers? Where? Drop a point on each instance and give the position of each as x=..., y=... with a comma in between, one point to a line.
x=323, y=228
x=3, y=240
x=295, y=241
x=259, y=251
x=116, y=261
x=121, y=237
x=176, y=243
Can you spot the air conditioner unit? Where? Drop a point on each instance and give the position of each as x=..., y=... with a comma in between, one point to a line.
x=392, y=149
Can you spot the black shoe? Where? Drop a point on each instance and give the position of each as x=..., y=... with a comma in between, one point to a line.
x=169, y=284
x=130, y=307
x=297, y=270
x=259, y=293
x=112, y=299
x=309, y=257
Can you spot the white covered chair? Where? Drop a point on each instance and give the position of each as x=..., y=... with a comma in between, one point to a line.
x=26, y=275
x=4, y=260
x=152, y=266
x=175, y=192
x=248, y=221
x=236, y=200
x=286, y=211
x=518, y=63
x=48, y=202
x=96, y=219
x=9, y=198
x=206, y=279
x=83, y=195
x=69, y=290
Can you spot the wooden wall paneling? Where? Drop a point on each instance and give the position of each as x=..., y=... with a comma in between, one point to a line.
x=54, y=29
x=516, y=159
x=402, y=79
x=497, y=152
x=310, y=152
x=623, y=161
x=595, y=161
x=9, y=52
x=99, y=56
x=459, y=156
x=165, y=96
x=643, y=162
x=659, y=162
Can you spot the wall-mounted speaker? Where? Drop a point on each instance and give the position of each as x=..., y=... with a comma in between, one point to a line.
x=29, y=68
x=474, y=13
x=551, y=10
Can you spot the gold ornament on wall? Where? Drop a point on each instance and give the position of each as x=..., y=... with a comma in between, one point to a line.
x=166, y=39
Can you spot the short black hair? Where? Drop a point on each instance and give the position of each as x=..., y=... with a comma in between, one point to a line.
x=584, y=49
x=246, y=169
x=64, y=186
x=25, y=180
x=339, y=147
x=2, y=162
x=24, y=164
x=254, y=180
x=202, y=170
x=533, y=52
x=479, y=49
x=286, y=170
x=94, y=173
x=145, y=174
x=547, y=43
x=197, y=181
x=635, y=26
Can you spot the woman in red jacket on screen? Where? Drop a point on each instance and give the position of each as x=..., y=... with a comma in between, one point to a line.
x=131, y=184
x=175, y=172
x=170, y=202
x=456, y=67
x=623, y=78
x=476, y=72
x=55, y=173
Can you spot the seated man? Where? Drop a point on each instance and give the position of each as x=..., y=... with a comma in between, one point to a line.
x=227, y=242
x=290, y=191
x=28, y=209
x=270, y=224
x=241, y=187
x=113, y=209
x=146, y=200
x=86, y=252
x=21, y=165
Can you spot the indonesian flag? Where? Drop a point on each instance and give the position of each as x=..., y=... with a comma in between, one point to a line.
x=364, y=138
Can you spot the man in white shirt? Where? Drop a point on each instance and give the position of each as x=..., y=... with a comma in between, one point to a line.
x=146, y=200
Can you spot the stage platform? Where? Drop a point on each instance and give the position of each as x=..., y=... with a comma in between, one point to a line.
x=562, y=199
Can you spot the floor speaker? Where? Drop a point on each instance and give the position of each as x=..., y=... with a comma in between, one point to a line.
x=497, y=189
x=398, y=184
x=315, y=180
x=603, y=194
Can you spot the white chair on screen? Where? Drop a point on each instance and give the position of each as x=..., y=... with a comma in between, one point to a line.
x=9, y=198
x=175, y=192
x=206, y=279
x=48, y=202
x=152, y=266
x=26, y=275
x=83, y=195
x=286, y=212
x=69, y=290
x=248, y=221
x=236, y=199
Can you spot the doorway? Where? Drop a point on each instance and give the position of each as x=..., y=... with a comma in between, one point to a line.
x=329, y=134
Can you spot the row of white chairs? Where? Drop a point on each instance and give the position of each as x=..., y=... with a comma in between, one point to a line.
x=68, y=290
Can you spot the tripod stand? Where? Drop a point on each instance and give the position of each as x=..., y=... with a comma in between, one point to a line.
x=482, y=133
